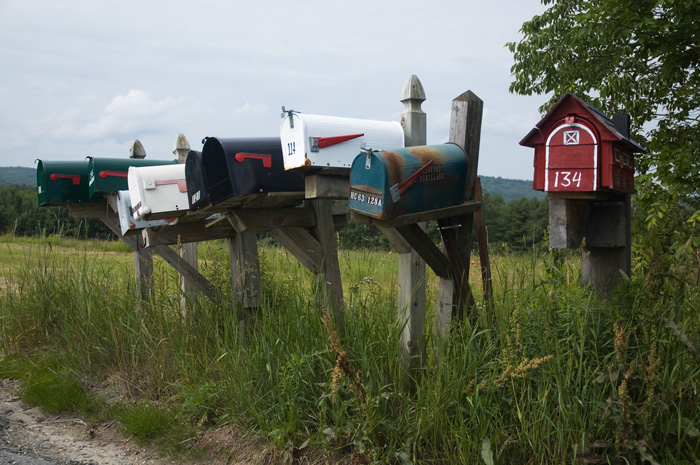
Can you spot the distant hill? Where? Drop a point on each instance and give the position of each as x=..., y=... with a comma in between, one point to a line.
x=17, y=175
x=509, y=189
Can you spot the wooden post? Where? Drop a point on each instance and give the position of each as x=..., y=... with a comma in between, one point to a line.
x=331, y=281
x=245, y=277
x=465, y=130
x=188, y=251
x=411, y=298
x=143, y=258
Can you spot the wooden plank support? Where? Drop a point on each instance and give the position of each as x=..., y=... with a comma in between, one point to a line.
x=416, y=237
x=184, y=233
x=465, y=131
x=331, y=281
x=487, y=282
x=302, y=245
x=143, y=259
x=411, y=297
x=245, y=277
x=265, y=220
x=188, y=251
x=183, y=267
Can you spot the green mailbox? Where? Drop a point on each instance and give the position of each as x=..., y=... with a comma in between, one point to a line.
x=108, y=175
x=62, y=182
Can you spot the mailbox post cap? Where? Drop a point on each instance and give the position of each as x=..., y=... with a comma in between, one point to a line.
x=137, y=150
x=412, y=92
x=181, y=148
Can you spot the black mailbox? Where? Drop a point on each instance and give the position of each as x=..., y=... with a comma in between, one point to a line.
x=197, y=194
x=237, y=167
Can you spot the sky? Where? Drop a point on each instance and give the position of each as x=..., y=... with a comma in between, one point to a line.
x=85, y=78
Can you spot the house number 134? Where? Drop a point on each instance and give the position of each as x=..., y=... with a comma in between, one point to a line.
x=567, y=179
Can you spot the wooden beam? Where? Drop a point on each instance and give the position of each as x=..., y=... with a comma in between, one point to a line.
x=300, y=243
x=182, y=267
x=331, y=281
x=469, y=206
x=421, y=243
x=465, y=131
x=185, y=233
x=327, y=187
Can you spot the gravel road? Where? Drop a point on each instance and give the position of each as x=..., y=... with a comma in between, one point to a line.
x=29, y=437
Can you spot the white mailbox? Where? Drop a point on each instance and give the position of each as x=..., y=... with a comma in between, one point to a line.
x=127, y=222
x=158, y=192
x=316, y=141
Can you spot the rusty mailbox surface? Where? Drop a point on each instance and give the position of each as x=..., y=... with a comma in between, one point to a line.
x=386, y=184
x=235, y=167
x=579, y=149
x=317, y=141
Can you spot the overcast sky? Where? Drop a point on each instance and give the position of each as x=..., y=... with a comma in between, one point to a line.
x=81, y=78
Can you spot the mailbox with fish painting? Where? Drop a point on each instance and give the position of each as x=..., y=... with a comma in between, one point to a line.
x=109, y=175
x=129, y=225
x=158, y=192
x=387, y=184
x=63, y=182
x=197, y=194
x=246, y=166
x=316, y=141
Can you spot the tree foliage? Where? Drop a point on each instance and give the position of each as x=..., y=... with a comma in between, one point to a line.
x=633, y=56
x=20, y=215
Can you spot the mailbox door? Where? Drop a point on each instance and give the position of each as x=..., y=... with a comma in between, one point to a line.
x=128, y=224
x=197, y=194
x=109, y=175
x=62, y=182
x=331, y=141
x=572, y=157
x=235, y=167
x=408, y=180
x=158, y=191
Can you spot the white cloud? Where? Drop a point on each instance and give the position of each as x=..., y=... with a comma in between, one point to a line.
x=125, y=117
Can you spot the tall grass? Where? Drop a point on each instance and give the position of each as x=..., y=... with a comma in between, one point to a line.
x=549, y=374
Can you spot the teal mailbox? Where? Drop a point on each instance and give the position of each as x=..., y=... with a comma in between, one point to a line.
x=109, y=175
x=391, y=183
x=62, y=182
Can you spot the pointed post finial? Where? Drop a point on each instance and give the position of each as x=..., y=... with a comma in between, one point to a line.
x=181, y=148
x=413, y=119
x=137, y=150
x=412, y=94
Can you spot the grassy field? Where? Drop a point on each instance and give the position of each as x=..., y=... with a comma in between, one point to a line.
x=548, y=374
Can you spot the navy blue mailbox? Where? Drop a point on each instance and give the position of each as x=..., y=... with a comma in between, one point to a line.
x=197, y=194
x=236, y=167
x=387, y=184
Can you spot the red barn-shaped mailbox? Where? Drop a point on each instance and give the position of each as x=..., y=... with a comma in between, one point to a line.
x=578, y=149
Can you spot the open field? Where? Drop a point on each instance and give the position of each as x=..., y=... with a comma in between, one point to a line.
x=549, y=374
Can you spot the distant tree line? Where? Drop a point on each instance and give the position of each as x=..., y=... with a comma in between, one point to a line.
x=21, y=215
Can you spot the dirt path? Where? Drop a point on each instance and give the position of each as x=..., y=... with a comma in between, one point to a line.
x=29, y=437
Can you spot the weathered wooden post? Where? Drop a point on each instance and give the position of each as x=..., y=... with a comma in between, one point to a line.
x=411, y=297
x=584, y=161
x=245, y=277
x=143, y=257
x=465, y=131
x=187, y=251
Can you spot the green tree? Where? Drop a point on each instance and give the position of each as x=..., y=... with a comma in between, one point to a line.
x=634, y=56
